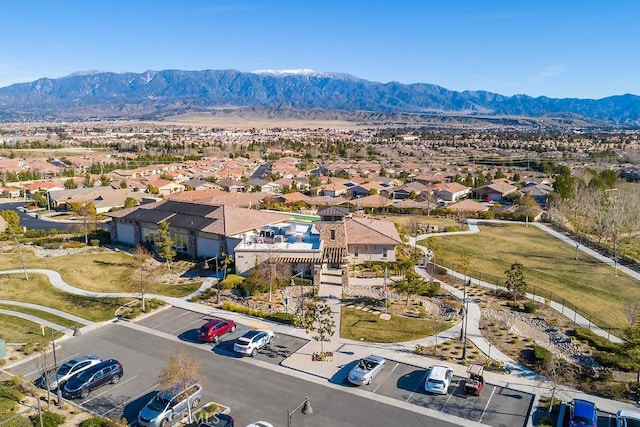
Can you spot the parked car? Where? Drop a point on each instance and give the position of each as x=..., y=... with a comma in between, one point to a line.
x=252, y=341
x=625, y=418
x=67, y=370
x=218, y=420
x=583, y=413
x=260, y=424
x=169, y=406
x=438, y=380
x=109, y=371
x=214, y=329
x=366, y=369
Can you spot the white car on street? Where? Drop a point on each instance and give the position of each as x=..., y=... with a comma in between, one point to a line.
x=252, y=341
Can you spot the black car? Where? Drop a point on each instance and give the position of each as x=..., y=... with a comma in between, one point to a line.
x=109, y=371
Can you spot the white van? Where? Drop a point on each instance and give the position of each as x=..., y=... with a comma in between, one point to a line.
x=625, y=418
x=438, y=380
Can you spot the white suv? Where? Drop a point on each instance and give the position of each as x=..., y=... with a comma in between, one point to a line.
x=252, y=341
x=438, y=380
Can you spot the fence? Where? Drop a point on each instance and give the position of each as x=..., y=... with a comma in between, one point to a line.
x=566, y=308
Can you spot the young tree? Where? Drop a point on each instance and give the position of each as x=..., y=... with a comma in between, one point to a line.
x=411, y=284
x=226, y=261
x=165, y=244
x=181, y=368
x=556, y=381
x=515, y=279
x=142, y=272
x=88, y=181
x=318, y=319
x=104, y=180
x=70, y=184
x=89, y=223
x=130, y=202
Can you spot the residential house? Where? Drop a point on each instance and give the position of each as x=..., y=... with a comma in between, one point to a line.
x=231, y=185
x=103, y=198
x=11, y=192
x=451, y=191
x=468, y=206
x=258, y=184
x=496, y=191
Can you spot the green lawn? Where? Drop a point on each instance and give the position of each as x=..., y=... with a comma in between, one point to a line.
x=549, y=264
x=97, y=270
x=17, y=330
x=62, y=321
x=361, y=325
x=38, y=290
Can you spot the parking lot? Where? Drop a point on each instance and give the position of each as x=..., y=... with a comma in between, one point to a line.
x=142, y=348
x=184, y=324
x=496, y=406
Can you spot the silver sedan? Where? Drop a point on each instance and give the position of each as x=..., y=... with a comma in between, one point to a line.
x=366, y=369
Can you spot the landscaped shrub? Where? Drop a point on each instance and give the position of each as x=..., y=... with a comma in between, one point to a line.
x=94, y=242
x=276, y=317
x=595, y=340
x=287, y=318
x=95, y=422
x=616, y=361
x=49, y=419
x=513, y=305
x=231, y=281
x=541, y=355
x=9, y=398
x=529, y=307
x=10, y=419
x=208, y=293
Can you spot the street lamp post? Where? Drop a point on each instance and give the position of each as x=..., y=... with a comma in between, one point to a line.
x=55, y=367
x=306, y=409
x=293, y=283
x=206, y=266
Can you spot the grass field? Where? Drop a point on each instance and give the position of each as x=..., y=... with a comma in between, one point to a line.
x=16, y=330
x=38, y=290
x=357, y=325
x=96, y=270
x=549, y=264
x=62, y=321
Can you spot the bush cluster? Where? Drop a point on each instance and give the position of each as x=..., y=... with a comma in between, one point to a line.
x=598, y=342
x=541, y=355
x=276, y=317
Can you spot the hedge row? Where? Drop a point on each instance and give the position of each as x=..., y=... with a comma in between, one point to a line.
x=276, y=317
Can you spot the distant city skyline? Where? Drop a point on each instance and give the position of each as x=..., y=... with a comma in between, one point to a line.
x=559, y=49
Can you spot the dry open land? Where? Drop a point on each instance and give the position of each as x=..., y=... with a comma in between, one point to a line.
x=549, y=264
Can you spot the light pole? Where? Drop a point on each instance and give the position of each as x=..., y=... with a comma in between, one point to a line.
x=306, y=409
x=55, y=367
x=293, y=283
x=466, y=319
x=206, y=267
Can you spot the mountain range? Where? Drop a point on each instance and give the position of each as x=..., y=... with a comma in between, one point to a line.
x=156, y=94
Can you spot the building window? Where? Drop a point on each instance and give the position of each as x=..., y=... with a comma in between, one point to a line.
x=356, y=251
x=384, y=253
x=333, y=234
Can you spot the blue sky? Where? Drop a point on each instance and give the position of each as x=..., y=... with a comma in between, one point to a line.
x=560, y=48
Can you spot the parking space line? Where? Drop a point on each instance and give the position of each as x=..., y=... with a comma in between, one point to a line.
x=171, y=320
x=449, y=397
x=418, y=386
x=128, y=401
x=108, y=390
x=385, y=378
x=487, y=405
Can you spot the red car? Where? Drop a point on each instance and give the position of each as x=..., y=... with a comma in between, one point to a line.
x=214, y=329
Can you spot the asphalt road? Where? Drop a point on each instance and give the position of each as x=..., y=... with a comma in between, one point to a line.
x=252, y=392
x=29, y=221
